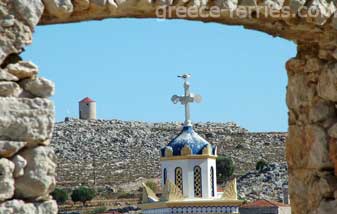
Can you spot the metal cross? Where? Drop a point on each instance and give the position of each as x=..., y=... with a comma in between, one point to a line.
x=186, y=99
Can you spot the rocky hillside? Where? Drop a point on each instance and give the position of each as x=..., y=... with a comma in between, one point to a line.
x=266, y=184
x=116, y=153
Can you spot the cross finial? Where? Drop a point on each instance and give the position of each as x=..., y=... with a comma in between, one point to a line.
x=186, y=99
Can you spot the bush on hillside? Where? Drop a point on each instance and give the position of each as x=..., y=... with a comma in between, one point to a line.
x=60, y=195
x=98, y=210
x=224, y=168
x=261, y=165
x=83, y=194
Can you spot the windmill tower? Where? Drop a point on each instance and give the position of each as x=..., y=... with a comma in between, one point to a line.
x=87, y=109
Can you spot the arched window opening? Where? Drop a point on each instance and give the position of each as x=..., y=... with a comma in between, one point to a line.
x=165, y=175
x=197, y=182
x=212, y=182
x=179, y=178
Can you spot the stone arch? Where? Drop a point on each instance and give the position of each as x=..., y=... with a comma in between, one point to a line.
x=27, y=116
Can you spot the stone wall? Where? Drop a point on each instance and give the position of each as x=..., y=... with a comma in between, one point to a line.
x=27, y=163
x=27, y=116
x=311, y=145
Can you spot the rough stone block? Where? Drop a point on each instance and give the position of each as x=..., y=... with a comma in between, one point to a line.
x=39, y=174
x=327, y=207
x=47, y=207
x=9, y=89
x=20, y=207
x=5, y=76
x=6, y=179
x=300, y=93
x=59, y=8
x=307, y=187
x=39, y=87
x=326, y=86
x=22, y=69
x=307, y=147
x=29, y=10
x=17, y=206
x=9, y=148
x=23, y=119
x=20, y=163
x=80, y=5
x=19, y=35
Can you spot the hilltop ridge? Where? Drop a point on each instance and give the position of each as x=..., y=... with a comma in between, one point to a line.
x=117, y=153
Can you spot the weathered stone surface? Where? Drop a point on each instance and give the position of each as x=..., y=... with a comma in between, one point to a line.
x=321, y=110
x=39, y=87
x=333, y=153
x=327, y=207
x=9, y=148
x=299, y=93
x=5, y=76
x=17, y=207
x=295, y=5
x=8, y=21
x=6, y=178
x=15, y=37
x=231, y=5
x=306, y=189
x=334, y=53
x=39, y=177
x=312, y=65
x=275, y=4
x=23, y=69
x=9, y=89
x=80, y=5
x=327, y=84
x=99, y=3
x=20, y=163
x=47, y=207
x=23, y=119
x=248, y=3
x=29, y=10
x=334, y=22
x=324, y=10
x=327, y=184
x=5, y=210
x=307, y=147
x=59, y=8
x=20, y=207
x=333, y=131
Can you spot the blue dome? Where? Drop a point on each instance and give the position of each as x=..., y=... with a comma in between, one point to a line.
x=188, y=137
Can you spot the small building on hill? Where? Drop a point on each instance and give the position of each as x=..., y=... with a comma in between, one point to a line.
x=265, y=207
x=87, y=109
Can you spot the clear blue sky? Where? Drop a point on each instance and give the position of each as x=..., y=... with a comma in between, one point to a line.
x=130, y=66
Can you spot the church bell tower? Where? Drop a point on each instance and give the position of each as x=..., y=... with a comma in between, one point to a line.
x=188, y=166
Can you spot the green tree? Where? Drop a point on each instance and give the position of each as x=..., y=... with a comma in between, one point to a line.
x=83, y=194
x=224, y=168
x=98, y=210
x=152, y=185
x=60, y=195
x=261, y=165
